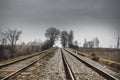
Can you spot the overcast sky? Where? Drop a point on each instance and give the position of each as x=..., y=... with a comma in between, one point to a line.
x=87, y=18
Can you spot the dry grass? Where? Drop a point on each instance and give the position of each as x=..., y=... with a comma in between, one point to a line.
x=106, y=57
x=16, y=58
x=109, y=61
x=23, y=56
x=112, y=64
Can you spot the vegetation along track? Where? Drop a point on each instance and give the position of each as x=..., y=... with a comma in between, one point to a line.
x=10, y=70
x=13, y=62
x=98, y=70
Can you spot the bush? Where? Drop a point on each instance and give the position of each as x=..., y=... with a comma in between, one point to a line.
x=94, y=57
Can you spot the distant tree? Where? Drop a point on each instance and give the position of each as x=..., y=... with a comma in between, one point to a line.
x=46, y=45
x=3, y=38
x=91, y=44
x=118, y=42
x=85, y=43
x=12, y=37
x=96, y=42
x=79, y=44
x=3, y=42
x=64, y=38
x=52, y=34
x=35, y=46
x=75, y=43
x=70, y=38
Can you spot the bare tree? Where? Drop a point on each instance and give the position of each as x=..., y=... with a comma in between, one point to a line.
x=52, y=34
x=70, y=38
x=85, y=43
x=12, y=37
x=46, y=45
x=36, y=45
x=3, y=38
x=96, y=42
x=118, y=43
x=75, y=43
x=2, y=43
x=64, y=38
x=91, y=44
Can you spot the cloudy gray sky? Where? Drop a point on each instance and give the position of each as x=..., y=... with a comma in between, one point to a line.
x=87, y=18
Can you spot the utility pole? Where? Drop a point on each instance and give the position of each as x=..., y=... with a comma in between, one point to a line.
x=118, y=43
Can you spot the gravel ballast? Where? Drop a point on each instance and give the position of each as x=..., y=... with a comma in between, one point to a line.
x=49, y=68
x=81, y=71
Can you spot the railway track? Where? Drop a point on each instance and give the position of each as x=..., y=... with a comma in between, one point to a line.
x=68, y=70
x=10, y=70
x=96, y=69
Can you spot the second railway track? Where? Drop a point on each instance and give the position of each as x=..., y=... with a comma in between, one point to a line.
x=94, y=71
x=9, y=70
x=79, y=70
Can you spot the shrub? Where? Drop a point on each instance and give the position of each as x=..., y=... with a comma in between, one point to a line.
x=94, y=57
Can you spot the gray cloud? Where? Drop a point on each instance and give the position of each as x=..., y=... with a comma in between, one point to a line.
x=59, y=11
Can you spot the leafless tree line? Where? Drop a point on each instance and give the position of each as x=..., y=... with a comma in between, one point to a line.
x=52, y=34
x=9, y=47
x=9, y=38
x=93, y=43
x=67, y=39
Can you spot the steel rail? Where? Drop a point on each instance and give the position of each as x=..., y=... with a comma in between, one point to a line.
x=98, y=70
x=23, y=68
x=68, y=70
